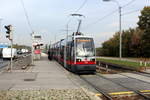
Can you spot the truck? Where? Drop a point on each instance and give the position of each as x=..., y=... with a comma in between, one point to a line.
x=6, y=53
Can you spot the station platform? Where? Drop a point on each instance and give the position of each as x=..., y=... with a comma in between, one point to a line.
x=147, y=71
x=46, y=80
x=44, y=74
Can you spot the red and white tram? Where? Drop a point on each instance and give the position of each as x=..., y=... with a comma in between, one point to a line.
x=76, y=53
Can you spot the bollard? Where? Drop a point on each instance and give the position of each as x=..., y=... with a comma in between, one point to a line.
x=106, y=68
x=140, y=63
x=145, y=63
x=99, y=63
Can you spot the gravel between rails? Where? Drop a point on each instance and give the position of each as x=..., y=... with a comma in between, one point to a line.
x=51, y=94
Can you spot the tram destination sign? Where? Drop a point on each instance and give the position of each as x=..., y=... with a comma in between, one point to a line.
x=83, y=40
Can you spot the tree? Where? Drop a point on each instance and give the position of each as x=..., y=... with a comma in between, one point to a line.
x=111, y=47
x=135, y=42
x=144, y=24
x=144, y=19
x=126, y=42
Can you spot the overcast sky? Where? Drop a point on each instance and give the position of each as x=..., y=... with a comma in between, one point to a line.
x=49, y=18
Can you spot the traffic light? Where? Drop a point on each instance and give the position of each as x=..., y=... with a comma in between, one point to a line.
x=9, y=32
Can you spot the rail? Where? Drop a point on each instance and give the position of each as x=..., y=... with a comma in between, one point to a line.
x=22, y=62
x=135, y=91
x=105, y=94
x=18, y=64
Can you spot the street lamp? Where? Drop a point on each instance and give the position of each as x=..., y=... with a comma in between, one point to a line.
x=65, y=53
x=120, y=42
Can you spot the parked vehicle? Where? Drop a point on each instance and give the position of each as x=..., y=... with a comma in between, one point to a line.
x=1, y=49
x=24, y=51
x=6, y=53
x=19, y=52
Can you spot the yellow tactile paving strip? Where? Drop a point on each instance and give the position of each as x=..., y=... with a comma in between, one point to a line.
x=124, y=93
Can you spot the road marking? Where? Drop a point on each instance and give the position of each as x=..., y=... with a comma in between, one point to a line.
x=145, y=91
x=98, y=94
x=123, y=93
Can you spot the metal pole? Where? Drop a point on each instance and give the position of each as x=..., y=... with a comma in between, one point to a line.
x=65, y=53
x=55, y=37
x=0, y=30
x=67, y=31
x=120, y=43
x=74, y=48
x=120, y=33
x=11, y=59
x=32, y=49
x=0, y=24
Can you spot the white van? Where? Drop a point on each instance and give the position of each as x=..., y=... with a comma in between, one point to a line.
x=6, y=53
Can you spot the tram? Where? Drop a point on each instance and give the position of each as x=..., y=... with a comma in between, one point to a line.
x=76, y=53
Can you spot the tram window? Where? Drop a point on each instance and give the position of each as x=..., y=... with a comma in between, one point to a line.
x=85, y=47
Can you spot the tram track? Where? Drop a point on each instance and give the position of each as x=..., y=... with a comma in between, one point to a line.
x=101, y=91
x=130, y=89
x=142, y=73
x=112, y=71
x=107, y=95
x=135, y=78
x=117, y=70
x=115, y=67
x=132, y=72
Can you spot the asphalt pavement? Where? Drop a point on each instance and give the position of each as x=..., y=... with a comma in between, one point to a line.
x=3, y=63
x=44, y=74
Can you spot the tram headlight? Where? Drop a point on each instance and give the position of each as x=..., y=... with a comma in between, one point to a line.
x=92, y=59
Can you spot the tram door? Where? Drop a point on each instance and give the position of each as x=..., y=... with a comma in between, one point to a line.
x=72, y=51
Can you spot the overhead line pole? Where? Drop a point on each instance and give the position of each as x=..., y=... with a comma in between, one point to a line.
x=120, y=27
x=32, y=49
x=11, y=60
x=65, y=53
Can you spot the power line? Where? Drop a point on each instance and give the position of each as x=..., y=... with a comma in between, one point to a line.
x=83, y=4
x=26, y=15
x=127, y=13
x=128, y=3
x=102, y=18
x=113, y=13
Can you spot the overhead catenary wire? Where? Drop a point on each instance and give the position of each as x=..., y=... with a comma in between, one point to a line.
x=128, y=3
x=83, y=4
x=77, y=10
x=30, y=26
x=130, y=12
x=100, y=19
x=26, y=15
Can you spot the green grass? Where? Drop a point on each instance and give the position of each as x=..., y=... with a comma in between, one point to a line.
x=123, y=62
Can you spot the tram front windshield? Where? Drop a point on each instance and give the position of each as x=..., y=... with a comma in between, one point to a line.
x=85, y=47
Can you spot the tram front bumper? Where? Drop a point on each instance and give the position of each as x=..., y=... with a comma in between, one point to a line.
x=85, y=67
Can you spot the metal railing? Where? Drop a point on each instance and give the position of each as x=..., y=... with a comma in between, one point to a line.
x=22, y=62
